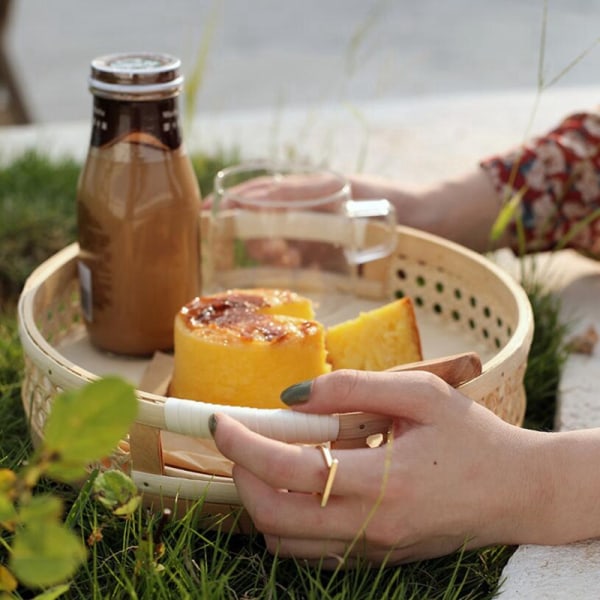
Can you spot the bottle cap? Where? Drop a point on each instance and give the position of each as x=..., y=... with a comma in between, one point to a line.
x=136, y=76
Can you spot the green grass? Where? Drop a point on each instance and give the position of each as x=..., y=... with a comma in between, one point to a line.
x=548, y=354
x=37, y=204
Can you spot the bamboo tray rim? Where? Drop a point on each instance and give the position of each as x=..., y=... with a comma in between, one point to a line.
x=42, y=352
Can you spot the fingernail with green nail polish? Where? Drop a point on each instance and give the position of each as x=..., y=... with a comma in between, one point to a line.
x=297, y=393
x=212, y=424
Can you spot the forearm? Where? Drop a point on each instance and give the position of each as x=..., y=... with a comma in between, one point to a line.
x=552, y=494
x=573, y=459
x=463, y=210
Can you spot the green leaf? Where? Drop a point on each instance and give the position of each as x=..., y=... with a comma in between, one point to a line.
x=505, y=216
x=45, y=554
x=41, y=509
x=117, y=492
x=87, y=424
x=63, y=470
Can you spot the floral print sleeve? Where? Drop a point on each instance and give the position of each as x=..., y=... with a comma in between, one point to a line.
x=558, y=176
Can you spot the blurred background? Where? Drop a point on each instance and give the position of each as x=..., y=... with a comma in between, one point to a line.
x=270, y=54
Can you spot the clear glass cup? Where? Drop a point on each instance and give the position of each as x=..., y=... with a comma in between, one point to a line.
x=297, y=227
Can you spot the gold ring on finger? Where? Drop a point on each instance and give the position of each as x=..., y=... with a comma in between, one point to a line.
x=332, y=465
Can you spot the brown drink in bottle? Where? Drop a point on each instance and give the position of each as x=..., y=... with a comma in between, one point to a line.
x=138, y=206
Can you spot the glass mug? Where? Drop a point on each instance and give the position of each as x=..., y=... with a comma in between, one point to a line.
x=296, y=227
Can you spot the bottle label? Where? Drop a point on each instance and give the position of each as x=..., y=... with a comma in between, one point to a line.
x=85, y=290
x=114, y=119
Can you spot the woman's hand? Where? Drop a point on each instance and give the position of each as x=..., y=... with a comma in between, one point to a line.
x=321, y=191
x=265, y=189
x=452, y=474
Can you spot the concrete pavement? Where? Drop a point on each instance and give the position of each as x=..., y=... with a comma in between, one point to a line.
x=272, y=55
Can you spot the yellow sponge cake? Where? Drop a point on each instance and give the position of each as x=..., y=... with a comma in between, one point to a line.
x=376, y=340
x=244, y=347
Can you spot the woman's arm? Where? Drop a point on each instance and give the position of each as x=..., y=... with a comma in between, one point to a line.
x=453, y=475
x=555, y=177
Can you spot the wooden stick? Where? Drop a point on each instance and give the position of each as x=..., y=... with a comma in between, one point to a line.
x=454, y=370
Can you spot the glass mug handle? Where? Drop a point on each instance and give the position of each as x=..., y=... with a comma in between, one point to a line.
x=373, y=223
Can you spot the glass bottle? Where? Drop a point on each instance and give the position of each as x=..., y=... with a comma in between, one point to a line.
x=138, y=206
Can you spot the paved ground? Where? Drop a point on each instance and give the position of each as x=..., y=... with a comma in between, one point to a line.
x=270, y=54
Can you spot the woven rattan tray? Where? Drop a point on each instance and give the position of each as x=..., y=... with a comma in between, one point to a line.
x=463, y=302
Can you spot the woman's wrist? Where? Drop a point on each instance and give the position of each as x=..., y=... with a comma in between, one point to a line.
x=574, y=476
x=550, y=495
x=510, y=498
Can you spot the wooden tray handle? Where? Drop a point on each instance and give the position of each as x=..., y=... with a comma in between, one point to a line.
x=189, y=417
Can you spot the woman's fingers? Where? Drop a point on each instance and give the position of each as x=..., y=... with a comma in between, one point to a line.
x=347, y=554
x=292, y=514
x=336, y=554
x=307, y=549
x=279, y=465
x=414, y=395
x=329, y=553
x=299, y=468
x=284, y=188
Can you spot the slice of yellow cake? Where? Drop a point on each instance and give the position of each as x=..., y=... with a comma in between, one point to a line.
x=244, y=347
x=377, y=339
